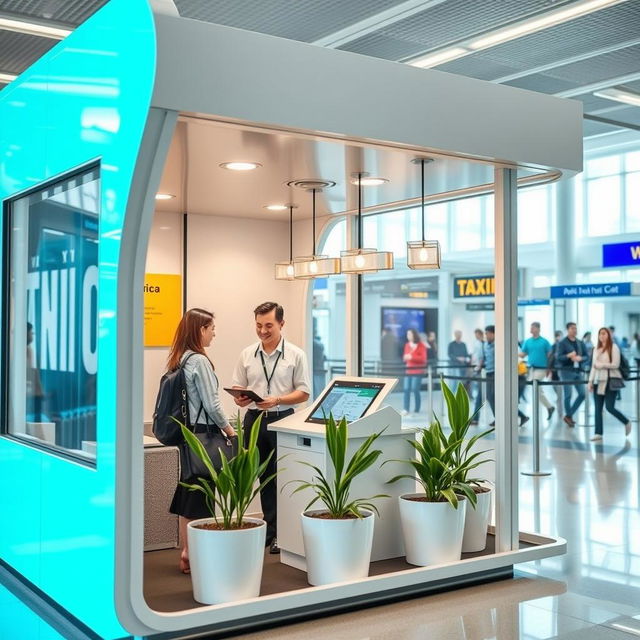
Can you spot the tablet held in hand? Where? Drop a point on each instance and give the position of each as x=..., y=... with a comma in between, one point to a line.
x=247, y=393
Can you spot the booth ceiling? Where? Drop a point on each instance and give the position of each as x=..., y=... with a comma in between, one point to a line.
x=574, y=59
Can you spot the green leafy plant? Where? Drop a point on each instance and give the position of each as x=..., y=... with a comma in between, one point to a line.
x=232, y=488
x=443, y=464
x=460, y=418
x=335, y=493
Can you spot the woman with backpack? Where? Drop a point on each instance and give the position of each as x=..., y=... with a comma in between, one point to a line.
x=605, y=380
x=194, y=333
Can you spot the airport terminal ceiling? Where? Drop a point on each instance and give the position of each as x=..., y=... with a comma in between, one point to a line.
x=193, y=174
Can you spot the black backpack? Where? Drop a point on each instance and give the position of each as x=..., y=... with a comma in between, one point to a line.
x=172, y=402
x=625, y=369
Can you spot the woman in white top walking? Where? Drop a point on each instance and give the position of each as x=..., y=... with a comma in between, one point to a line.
x=605, y=380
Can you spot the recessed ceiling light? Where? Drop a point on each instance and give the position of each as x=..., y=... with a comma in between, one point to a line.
x=33, y=28
x=276, y=207
x=628, y=97
x=369, y=181
x=164, y=196
x=240, y=166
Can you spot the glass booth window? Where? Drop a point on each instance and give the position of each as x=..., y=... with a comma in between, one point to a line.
x=51, y=315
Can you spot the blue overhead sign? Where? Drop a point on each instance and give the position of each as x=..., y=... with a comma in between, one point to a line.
x=533, y=302
x=591, y=290
x=622, y=254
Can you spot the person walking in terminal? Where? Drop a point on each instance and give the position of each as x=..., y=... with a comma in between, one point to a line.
x=194, y=334
x=605, y=380
x=476, y=363
x=415, y=361
x=277, y=371
x=537, y=349
x=570, y=355
x=458, y=356
x=489, y=363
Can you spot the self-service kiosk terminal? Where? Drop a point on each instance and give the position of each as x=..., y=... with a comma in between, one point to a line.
x=301, y=438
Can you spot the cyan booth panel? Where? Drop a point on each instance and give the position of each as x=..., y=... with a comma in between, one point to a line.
x=86, y=100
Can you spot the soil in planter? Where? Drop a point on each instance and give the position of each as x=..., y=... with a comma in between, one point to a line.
x=481, y=489
x=213, y=526
x=325, y=515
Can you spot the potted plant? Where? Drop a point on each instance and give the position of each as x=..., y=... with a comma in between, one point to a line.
x=226, y=551
x=338, y=538
x=478, y=514
x=433, y=521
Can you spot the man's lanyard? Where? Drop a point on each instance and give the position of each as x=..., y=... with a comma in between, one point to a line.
x=268, y=377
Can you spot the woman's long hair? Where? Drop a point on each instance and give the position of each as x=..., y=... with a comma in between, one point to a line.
x=189, y=336
x=609, y=346
x=415, y=336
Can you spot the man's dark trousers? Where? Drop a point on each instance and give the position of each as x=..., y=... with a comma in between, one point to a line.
x=267, y=441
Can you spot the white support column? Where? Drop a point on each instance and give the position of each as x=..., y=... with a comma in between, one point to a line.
x=506, y=380
x=352, y=302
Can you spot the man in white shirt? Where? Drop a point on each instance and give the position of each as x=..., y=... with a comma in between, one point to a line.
x=278, y=372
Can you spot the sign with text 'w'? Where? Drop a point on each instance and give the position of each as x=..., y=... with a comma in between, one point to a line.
x=621, y=254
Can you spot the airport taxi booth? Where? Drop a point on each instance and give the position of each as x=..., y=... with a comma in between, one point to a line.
x=122, y=100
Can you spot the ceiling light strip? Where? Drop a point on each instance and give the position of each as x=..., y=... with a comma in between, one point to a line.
x=7, y=77
x=619, y=95
x=33, y=28
x=517, y=30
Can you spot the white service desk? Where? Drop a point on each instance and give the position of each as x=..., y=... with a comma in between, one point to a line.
x=305, y=441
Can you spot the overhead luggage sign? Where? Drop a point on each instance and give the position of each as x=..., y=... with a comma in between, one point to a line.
x=621, y=254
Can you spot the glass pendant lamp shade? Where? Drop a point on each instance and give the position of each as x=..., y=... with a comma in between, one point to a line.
x=284, y=271
x=365, y=260
x=423, y=254
x=361, y=260
x=307, y=267
x=315, y=266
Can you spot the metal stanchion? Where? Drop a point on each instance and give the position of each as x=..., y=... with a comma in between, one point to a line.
x=536, y=434
x=638, y=398
x=587, y=401
x=430, y=392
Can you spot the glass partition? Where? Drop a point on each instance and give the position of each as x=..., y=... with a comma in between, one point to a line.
x=51, y=315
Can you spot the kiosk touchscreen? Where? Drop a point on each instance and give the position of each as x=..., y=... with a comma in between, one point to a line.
x=345, y=399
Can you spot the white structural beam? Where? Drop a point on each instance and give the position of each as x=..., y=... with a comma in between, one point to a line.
x=597, y=86
x=565, y=61
x=375, y=23
x=506, y=354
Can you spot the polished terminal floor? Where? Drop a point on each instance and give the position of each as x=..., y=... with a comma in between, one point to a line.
x=591, y=498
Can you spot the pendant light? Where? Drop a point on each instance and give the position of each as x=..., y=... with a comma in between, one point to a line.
x=361, y=260
x=284, y=270
x=314, y=266
x=423, y=254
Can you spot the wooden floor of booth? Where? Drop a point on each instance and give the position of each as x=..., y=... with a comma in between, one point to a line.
x=168, y=590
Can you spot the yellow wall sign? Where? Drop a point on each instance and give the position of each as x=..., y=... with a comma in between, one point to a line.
x=162, y=308
x=474, y=286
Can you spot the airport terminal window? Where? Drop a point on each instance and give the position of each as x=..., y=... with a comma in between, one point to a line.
x=51, y=318
x=328, y=314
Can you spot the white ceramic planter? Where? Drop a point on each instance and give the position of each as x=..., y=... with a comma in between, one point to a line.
x=476, y=523
x=226, y=566
x=337, y=550
x=432, y=531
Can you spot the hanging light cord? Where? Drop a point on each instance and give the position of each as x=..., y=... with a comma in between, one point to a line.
x=314, y=222
x=359, y=210
x=290, y=234
x=422, y=166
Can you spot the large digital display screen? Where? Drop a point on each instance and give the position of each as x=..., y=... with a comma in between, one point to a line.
x=345, y=399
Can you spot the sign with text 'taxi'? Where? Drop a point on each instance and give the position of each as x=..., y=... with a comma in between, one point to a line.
x=162, y=308
x=474, y=286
